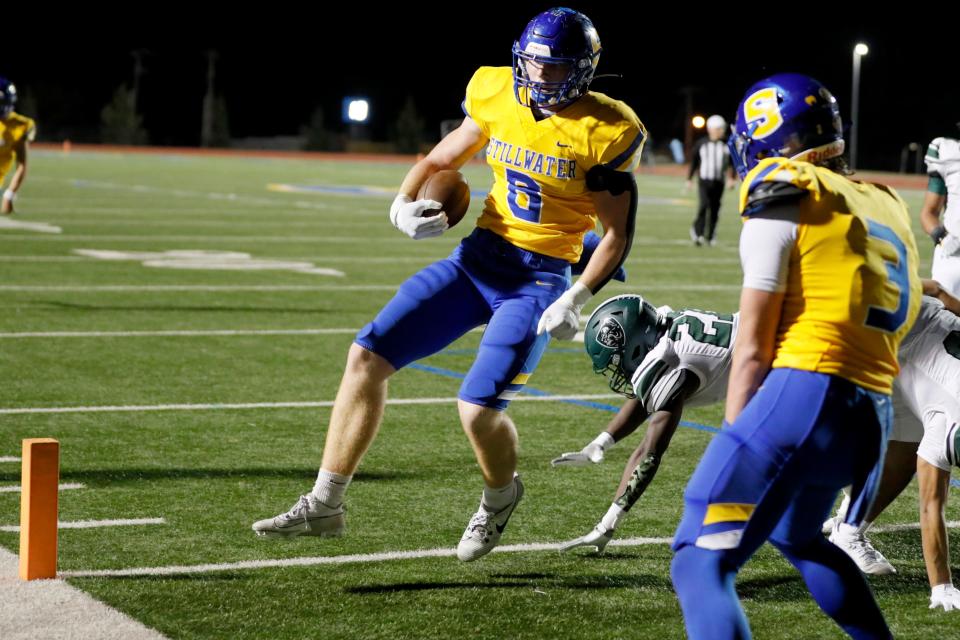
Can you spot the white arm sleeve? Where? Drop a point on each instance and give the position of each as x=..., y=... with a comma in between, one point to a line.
x=765, y=244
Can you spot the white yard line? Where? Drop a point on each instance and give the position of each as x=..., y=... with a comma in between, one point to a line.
x=336, y=560
x=9, y=459
x=276, y=405
x=176, y=334
x=67, y=486
x=127, y=288
x=381, y=557
x=94, y=524
x=54, y=609
x=133, y=288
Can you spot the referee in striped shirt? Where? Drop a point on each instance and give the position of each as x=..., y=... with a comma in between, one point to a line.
x=710, y=159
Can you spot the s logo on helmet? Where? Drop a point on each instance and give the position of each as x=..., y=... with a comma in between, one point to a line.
x=611, y=334
x=762, y=110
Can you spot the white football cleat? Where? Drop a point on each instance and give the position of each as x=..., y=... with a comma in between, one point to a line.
x=858, y=547
x=831, y=523
x=485, y=528
x=598, y=539
x=308, y=517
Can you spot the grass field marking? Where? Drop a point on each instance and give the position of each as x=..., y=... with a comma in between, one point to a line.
x=66, y=486
x=188, y=193
x=386, y=556
x=9, y=458
x=204, y=260
x=94, y=524
x=20, y=225
x=175, y=334
x=276, y=405
x=54, y=609
x=134, y=288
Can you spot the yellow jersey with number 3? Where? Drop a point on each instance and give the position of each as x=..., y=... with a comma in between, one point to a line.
x=539, y=200
x=15, y=130
x=853, y=286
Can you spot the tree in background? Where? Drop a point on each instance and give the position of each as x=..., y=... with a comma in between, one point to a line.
x=407, y=131
x=119, y=121
x=318, y=137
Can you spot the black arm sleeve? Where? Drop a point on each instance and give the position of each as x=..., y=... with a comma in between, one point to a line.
x=602, y=178
x=695, y=158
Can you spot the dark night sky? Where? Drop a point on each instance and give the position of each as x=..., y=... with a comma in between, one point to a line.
x=277, y=66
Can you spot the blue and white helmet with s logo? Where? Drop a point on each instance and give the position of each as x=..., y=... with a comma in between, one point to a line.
x=8, y=97
x=786, y=115
x=558, y=36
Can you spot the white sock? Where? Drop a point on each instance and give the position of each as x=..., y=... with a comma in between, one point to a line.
x=495, y=500
x=848, y=530
x=862, y=529
x=330, y=487
x=613, y=516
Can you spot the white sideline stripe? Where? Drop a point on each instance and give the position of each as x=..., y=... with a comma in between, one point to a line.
x=9, y=459
x=54, y=609
x=382, y=557
x=93, y=524
x=200, y=287
x=419, y=259
x=276, y=405
x=335, y=560
x=174, y=333
x=309, y=287
x=15, y=488
x=908, y=526
x=20, y=225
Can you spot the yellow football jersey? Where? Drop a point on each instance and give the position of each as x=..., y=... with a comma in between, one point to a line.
x=853, y=288
x=14, y=130
x=539, y=200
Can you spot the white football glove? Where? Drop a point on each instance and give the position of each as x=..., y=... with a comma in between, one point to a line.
x=598, y=539
x=590, y=454
x=950, y=245
x=946, y=596
x=407, y=216
x=562, y=318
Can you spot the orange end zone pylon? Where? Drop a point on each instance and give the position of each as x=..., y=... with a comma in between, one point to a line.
x=38, y=508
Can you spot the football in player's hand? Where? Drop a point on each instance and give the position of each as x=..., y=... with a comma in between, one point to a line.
x=448, y=187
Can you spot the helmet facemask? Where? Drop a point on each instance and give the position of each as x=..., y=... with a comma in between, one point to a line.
x=550, y=94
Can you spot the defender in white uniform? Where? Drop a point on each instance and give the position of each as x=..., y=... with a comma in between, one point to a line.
x=926, y=411
x=672, y=359
x=943, y=196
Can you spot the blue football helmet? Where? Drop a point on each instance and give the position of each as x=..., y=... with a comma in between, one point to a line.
x=556, y=37
x=8, y=97
x=786, y=115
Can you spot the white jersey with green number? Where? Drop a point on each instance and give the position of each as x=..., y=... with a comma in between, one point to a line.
x=698, y=343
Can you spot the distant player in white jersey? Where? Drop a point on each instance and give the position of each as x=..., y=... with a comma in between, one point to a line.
x=924, y=439
x=943, y=196
x=663, y=360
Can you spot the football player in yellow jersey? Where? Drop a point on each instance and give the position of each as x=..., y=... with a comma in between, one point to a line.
x=562, y=159
x=830, y=288
x=16, y=131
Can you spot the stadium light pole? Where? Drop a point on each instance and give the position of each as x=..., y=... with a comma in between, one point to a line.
x=859, y=51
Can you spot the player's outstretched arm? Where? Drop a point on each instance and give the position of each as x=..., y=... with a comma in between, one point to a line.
x=934, y=488
x=615, y=201
x=6, y=206
x=933, y=289
x=645, y=460
x=452, y=152
x=631, y=415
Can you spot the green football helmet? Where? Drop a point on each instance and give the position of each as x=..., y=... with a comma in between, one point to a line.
x=618, y=336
